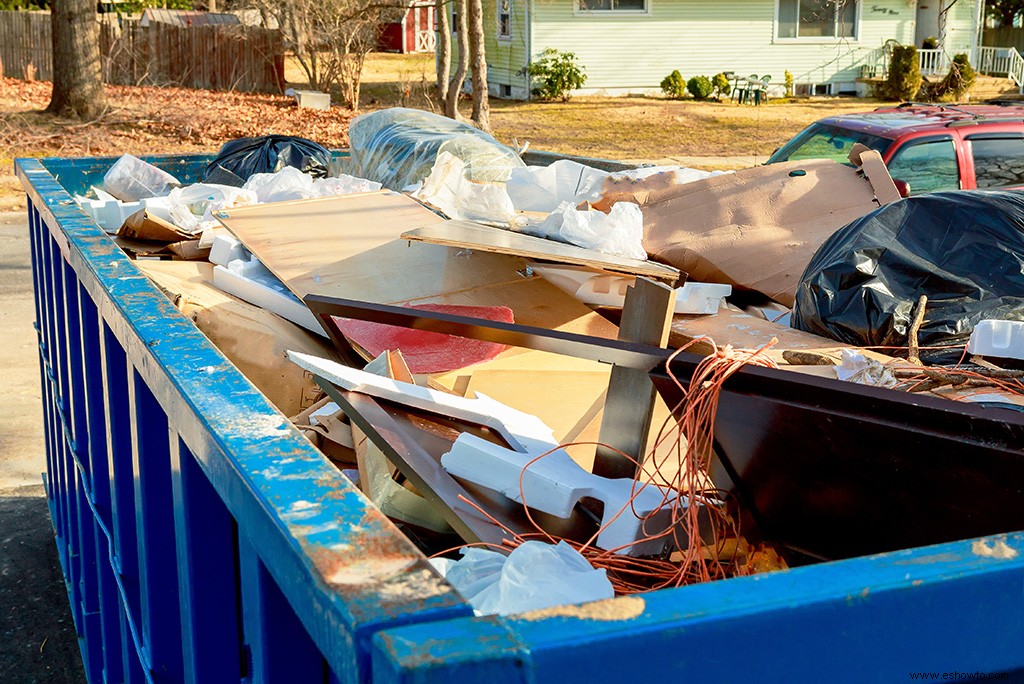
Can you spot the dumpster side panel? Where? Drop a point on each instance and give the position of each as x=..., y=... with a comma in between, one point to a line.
x=202, y=538
x=942, y=609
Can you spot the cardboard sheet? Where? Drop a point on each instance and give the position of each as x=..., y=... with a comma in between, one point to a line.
x=253, y=339
x=757, y=228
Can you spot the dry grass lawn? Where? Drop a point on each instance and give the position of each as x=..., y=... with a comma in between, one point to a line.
x=147, y=120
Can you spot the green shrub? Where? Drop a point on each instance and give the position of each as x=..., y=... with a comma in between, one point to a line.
x=700, y=87
x=956, y=84
x=721, y=84
x=556, y=75
x=904, y=80
x=674, y=85
x=930, y=43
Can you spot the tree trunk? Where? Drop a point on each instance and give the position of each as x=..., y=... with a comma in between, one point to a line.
x=451, y=105
x=444, y=50
x=77, y=70
x=481, y=104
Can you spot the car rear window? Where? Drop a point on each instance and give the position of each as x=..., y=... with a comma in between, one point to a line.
x=998, y=162
x=826, y=141
x=927, y=166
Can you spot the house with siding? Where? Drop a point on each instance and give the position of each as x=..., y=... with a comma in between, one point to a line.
x=629, y=46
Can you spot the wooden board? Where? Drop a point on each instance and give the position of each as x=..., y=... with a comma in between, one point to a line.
x=470, y=235
x=349, y=246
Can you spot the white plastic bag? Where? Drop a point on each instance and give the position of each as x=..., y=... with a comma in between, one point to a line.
x=130, y=179
x=192, y=206
x=619, y=232
x=287, y=184
x=535, y=575
x=343, y=184
x=543, y=188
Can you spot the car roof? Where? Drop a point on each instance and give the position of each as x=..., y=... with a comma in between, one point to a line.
x=911, y=117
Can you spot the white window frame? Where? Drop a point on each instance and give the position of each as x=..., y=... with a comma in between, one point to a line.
x=821, y=39
x=504, y=37
x=579, y=9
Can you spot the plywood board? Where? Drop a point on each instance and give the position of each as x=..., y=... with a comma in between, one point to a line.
x=470, y=235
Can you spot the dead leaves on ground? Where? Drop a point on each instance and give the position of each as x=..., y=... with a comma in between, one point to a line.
x=150, y=120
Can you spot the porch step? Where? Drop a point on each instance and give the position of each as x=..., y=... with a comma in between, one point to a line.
x=992, y=87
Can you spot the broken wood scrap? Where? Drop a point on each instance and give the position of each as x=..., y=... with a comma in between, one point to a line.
x=469, y=235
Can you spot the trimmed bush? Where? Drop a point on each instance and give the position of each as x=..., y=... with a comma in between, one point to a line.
x=673, y=85
x=556, y=75
x=904, y=80
x=956, y=84
x=721, y=84
x=700, y=87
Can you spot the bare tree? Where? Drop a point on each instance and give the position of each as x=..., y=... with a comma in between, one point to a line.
x=451, y=105
x=77, y=71
x=331, y=38
x=444, y=50
x=481, y=103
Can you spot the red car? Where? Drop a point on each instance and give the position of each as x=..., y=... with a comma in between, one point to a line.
x=928, y=147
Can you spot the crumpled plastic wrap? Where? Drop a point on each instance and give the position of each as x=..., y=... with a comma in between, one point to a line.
x=239, y=159
x=543, y=188
x=398, y=147
x=449, y=191
x=855, y=367
x=291, y=184
x=619, y=232
x=130, y=179
x=964, y=250
x=192, y=206
x=535, y=575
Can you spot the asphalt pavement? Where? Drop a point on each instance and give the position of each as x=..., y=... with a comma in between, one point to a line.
x=38, y=642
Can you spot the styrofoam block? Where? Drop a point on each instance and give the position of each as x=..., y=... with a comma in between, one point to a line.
x=553, y=484
x=227, y=248
x=110, y=214
x=609, y=289
x=1004, y=339
x=283, y=303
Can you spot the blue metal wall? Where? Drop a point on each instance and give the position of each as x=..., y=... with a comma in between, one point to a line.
x=204, y=540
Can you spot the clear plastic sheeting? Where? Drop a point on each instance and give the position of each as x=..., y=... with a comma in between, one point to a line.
x=964, y=250
x=535, y=575
x=291, y=184
x=543, y=188
x=619, y=232
x=449, y=191
x=398, y=148
x=130, y=180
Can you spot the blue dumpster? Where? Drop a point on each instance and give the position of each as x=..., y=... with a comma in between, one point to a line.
x=203, y=539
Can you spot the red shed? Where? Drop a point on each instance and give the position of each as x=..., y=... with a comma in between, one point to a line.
x=415, y=33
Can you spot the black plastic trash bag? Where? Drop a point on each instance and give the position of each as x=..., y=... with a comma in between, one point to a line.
x=964, y=250
x=241, y=158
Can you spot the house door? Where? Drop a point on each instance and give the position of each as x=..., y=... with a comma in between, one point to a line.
x=426, y=39
x=927, y=20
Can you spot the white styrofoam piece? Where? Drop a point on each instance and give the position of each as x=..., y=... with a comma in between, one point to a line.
x=1004, y=339
x=227, y=248
x=283, y=303
x=110, y=214
x=553, y=484
x=328, y=409
x=608, y=289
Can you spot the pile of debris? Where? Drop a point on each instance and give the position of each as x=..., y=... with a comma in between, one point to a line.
x=586, y=381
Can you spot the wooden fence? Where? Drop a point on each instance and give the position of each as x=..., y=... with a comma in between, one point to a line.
x=214, y=57
x=1005, y=36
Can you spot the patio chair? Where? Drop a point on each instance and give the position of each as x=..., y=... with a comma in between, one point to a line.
x=761, y=90
x=744, y=87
